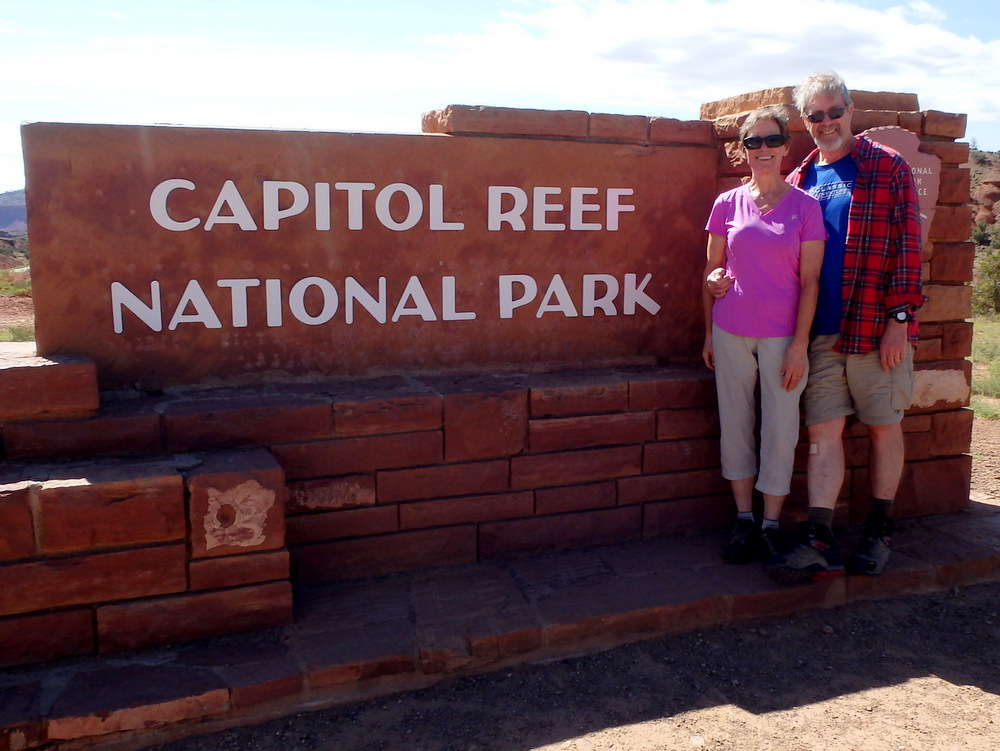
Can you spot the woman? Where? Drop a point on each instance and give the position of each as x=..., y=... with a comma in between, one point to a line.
x=765, y=249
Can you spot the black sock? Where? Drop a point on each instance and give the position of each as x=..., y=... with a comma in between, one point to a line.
x=822, y=516
x=881, y=506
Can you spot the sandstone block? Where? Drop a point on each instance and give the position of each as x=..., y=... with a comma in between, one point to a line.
x=951, y=223
x=885, y=100
x=99, y=577
x=47, y=636
x=483, y=425
x=671, y=486
x=466, y=510
x=348, y=456
x=146, y=623
x=237, y=504
x=576, y=498
x=948, y=152
x=568, y=467
x=746, y=102
x=245, y=420
x=98, y=436
x=927, y=350
x=945, y=124
x=562, y=434
x=951, y=432
x=672, y=390
x=238, y=570
x=686, y=423
x=956, y=340
x=942, y=386
x=570, y=399
x=384, y=554
x=865, y=119
x=669, y=130
x=353, y=491
x=393, y=415
x=680, y=455
x=952, y=262
x=955, y=185
x=45, y=388
x=17, y=539
x=912, y=121
x=946, y=302
x=102, y=506
x=335, y=525
x=634, y=128
x=442, y=481
x=506, y=121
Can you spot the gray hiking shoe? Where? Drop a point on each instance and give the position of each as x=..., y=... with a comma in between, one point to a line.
x=812, y=557
x=873, y=551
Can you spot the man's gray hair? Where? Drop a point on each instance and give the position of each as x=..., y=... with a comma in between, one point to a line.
x=828, y=83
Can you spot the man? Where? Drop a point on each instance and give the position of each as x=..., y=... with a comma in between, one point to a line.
x=861, y=356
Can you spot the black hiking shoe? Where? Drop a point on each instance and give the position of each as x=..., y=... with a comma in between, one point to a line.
x=742, y=544
x=873, y=551
x=812, y=558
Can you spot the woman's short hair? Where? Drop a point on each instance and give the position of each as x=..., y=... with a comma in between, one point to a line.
x=774, y=112
x=828, y=83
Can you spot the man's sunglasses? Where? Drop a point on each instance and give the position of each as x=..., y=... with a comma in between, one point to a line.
x=772, y=142
x=835, y=113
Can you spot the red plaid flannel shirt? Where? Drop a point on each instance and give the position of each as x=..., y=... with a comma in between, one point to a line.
x=882, y=253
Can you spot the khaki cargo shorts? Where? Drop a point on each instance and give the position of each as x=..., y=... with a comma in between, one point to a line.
x=840, y=385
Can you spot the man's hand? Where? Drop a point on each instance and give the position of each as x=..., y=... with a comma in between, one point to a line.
x=892, y=349
x=719, y=282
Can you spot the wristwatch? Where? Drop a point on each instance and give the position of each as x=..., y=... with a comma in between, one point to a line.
x=902, y=316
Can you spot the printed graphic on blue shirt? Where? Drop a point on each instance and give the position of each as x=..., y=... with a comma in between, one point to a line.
x=831, y=185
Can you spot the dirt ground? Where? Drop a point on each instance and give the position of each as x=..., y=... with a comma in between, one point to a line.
x=918, y=673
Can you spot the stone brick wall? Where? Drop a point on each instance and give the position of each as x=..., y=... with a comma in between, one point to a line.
x=132, y=519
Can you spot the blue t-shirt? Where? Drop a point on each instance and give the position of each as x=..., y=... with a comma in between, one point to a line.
x=831, y=185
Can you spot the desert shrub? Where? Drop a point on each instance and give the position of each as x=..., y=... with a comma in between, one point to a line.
x=17, y=333
x=986, y=290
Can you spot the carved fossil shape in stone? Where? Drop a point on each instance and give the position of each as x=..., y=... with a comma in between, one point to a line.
x=237, y=516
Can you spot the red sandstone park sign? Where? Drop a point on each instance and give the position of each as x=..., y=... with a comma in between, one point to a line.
x=183, y=255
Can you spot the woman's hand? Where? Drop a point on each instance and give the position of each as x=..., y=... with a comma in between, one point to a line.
x=719, y=282
x=708, y=352
x=793, y=369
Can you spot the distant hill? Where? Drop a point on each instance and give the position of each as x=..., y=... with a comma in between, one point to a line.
x=13, y=216
x=985, y=179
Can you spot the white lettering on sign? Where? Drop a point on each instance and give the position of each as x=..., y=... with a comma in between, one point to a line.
x=315, y=301
x=519, y=290
x=507, y=204
x=398, y=207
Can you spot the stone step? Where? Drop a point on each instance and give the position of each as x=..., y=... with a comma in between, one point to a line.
x=358, y=639
x=60, y=387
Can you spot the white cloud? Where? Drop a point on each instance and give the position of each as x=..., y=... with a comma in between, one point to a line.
x=653, y=57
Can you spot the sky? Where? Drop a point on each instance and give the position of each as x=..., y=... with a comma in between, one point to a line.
x=378, y=65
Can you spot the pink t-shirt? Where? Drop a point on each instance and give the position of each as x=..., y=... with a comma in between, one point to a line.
x=762, y=255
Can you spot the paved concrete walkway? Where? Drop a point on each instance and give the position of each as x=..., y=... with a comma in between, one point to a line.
x=358, y=639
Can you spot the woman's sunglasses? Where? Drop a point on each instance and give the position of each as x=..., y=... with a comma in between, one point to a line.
x=772, y=142
x=835, y=113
